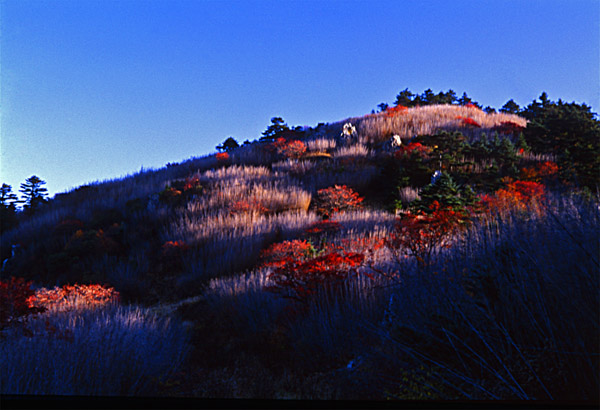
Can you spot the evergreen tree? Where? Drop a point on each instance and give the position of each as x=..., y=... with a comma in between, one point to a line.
x=569, y=131
x=275, y=129
x=228, y=145
x=404, y=98
x=8, y=208
x=511, y=107
x=447, y=192
x=465, y=99
x=34, y=194
x=446, y=98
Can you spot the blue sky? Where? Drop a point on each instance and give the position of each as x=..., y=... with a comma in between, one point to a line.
x=93, y=90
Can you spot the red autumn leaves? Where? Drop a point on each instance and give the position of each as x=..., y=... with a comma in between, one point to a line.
x=337, y=198
x=298, y=270
x=422, y=234
x=393, y=111
x=288, y=148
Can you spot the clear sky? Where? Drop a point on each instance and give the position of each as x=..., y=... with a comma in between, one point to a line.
x=92, y=90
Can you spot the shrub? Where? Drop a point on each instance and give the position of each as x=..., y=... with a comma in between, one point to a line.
x=222, y=157
x=73, y=297
x=517, y=196
x=539, y=172
x=337, y=199
x=397, y=110
x=469, y=122
x=15, y=304
x=424, y=234
x=289, y=148
x=298, y=272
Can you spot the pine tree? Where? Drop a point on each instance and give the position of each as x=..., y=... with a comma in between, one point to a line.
x=447, y=192
x=277, y=127
x=8, y=208
x=34, y=194
x=511, y=107
x=228, y=145
x=404, y=98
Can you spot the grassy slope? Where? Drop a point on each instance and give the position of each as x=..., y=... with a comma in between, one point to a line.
x=358, y=345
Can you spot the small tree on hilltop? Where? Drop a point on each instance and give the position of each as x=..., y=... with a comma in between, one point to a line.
x=277, y=127
x=228, y=145
x=34, y=194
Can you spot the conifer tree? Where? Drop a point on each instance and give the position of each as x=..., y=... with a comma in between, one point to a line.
x=511, y=107
x=277, y=127
x=8, y=208
x=447, y=192
x=228, y=145
x=34, y=194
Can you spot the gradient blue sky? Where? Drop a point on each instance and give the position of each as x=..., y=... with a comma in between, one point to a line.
x=92, y=90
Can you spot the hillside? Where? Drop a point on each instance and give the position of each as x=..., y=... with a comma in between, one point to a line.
x=426, y=252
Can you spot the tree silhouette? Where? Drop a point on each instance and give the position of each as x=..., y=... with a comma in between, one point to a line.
x=8, y=208
x=275, y=129
x=228, y=145
x=34, y=194
x=511, y=107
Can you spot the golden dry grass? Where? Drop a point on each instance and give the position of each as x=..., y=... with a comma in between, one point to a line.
x=427, y=120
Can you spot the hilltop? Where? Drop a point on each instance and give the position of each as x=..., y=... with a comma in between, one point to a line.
x=414, y=253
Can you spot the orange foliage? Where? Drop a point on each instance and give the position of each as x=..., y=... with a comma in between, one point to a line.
x=540, y=171
x=73, y=296
x=393, y=111
x=518, y=195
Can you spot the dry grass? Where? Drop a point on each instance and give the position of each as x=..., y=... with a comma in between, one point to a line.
x=321, y=145
x=376, y=128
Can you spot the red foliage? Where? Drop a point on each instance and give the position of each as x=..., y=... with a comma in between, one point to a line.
x=469, y=122
x=73, y=296
x=191, y=183
x=393, y=111
x=422, y=234
x=471, y=105
x=413, y=148
x=240, y=207
x=508, y=127
x=222, y=156
x=337, y=199
x=297, y=273
x=288, y=148
x=540, y=171
x=296, y=249
x=15, y=302
x=323, y=227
